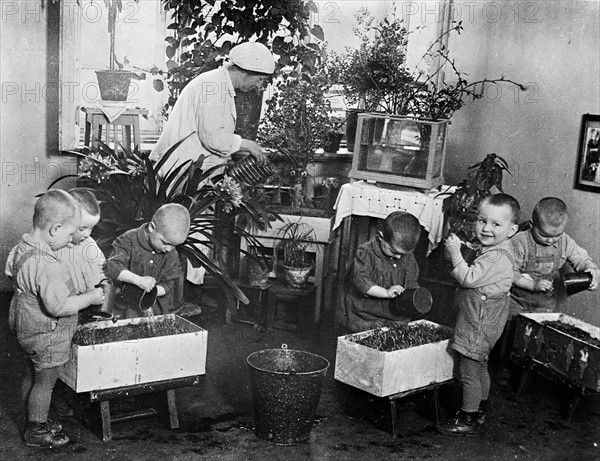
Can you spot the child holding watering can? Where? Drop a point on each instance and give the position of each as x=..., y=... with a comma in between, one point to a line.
x=383, y=268
x=540, y=252
x=145, y=263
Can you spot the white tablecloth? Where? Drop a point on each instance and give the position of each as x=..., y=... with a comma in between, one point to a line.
x=366, y=199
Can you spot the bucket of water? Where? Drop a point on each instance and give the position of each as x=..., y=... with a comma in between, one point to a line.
x=286, y=389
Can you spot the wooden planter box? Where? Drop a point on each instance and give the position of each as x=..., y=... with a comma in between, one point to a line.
x=574, y=359
x=131, y=362
x=386, y=373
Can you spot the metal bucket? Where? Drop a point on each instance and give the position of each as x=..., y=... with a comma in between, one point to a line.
x=286, y=388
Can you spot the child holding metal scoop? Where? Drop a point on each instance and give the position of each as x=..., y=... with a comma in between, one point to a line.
x=144, y=262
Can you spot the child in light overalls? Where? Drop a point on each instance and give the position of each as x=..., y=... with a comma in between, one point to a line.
x=483, y=300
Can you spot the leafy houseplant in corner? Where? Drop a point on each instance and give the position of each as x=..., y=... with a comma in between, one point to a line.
x=464, y=202
x=296, y=240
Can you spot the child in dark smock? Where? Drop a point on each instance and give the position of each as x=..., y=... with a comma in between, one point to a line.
x=382, y=269
x=44, y=308
x=483, y=300
x=146, y=257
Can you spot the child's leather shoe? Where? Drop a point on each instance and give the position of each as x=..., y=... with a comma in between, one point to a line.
x=483, y=409
x=42, y=435
x=464, y=423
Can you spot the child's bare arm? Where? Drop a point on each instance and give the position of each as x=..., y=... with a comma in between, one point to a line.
x=75, y=303
x=146, y=283
x=527, y=283
x=380, y=292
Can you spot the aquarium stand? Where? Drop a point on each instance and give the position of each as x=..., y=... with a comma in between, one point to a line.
x=167, y=405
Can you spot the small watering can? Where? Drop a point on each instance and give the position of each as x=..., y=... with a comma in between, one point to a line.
x=414, y=302
x=102, y=311
x=571, y=282
x=148, y=299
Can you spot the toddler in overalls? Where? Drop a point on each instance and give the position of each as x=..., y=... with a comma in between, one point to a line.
x=540, y=252
x=483, y=300
x=44, y=307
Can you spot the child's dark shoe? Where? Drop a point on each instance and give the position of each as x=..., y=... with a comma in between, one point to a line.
x=464, y=423
x=483, y=409
x=42, y=435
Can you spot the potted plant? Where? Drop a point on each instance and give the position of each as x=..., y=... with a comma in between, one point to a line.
x=205, y=32
x=130, y=189
x=296, y=124
x=374, y=77
x=114, y=82
x=296, y=240
x=464, y=201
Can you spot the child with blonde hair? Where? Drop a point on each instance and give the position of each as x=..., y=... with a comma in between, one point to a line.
x=44, y=307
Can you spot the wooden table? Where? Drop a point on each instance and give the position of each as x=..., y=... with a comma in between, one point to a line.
x=98, y=127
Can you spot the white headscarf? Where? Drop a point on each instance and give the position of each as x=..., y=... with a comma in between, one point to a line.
x=253, y=56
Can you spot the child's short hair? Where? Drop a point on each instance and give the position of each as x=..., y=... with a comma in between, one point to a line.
x=507, y=201
x=402, y=229
x=172, y=216
x=550, y=210
x=54, y=207
x=86, y=199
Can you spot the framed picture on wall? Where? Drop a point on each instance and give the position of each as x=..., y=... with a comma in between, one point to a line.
x=588, y=157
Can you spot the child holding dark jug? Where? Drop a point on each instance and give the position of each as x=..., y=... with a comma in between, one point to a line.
x=383, y=268
x=540, y=252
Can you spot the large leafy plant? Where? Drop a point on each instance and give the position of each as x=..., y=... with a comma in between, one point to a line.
x=131, y=187
x=205, y=32
x=375, y=76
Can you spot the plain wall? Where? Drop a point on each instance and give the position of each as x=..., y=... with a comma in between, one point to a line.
x=553, y=47
x=28, y=116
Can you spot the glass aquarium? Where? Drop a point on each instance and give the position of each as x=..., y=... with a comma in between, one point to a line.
x=399, y=150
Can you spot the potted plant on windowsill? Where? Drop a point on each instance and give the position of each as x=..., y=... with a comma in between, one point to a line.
x=114, y=82
x=296, y=240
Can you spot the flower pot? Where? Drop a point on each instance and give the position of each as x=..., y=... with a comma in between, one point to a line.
x=331, y=144
x=114, y=85
x=296, y=277
x=351, y=124
x=257, y=272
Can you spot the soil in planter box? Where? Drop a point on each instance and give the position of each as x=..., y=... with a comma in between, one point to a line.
x=395, y=339
x=572, y=331
x=87, y=335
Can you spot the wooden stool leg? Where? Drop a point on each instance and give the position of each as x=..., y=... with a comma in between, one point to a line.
x=393, y=412
x=127, y=137
x=523, y=380
x=436, y=403
x=172, y=408
x=105, y=416
x=574, y=401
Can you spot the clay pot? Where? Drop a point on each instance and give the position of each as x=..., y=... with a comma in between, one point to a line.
x=296, y=277
x=414, y=302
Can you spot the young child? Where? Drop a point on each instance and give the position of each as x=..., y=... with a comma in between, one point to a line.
x=540, y=252
x=483, y=300
x=145, y=257
x=382, y=269
x=44, y=307
x=86, y=270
